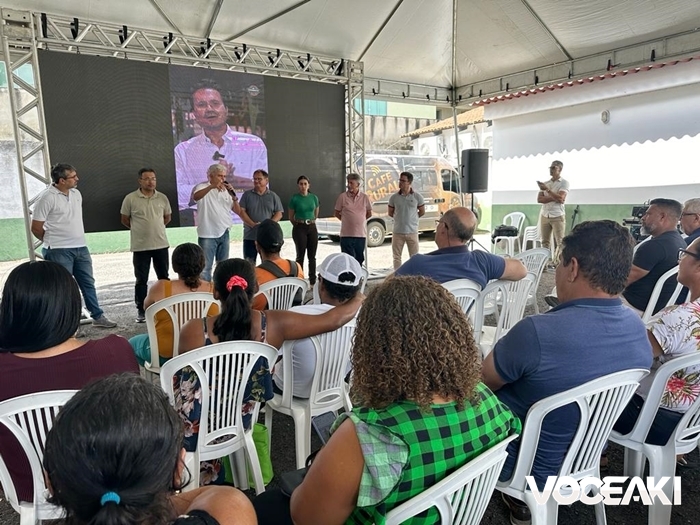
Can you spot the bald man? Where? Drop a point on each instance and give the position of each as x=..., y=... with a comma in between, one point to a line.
x=453, y=259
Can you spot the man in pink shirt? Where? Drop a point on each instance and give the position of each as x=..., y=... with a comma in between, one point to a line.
x=353, y=209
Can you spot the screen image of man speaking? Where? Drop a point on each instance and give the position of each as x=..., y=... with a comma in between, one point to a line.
x=240, y=153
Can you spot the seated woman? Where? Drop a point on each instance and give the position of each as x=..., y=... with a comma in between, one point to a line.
x=39, y=316
x=420, y=412
x=673, y=333
x=188, y=263
x=114, y=455
x=235, y=285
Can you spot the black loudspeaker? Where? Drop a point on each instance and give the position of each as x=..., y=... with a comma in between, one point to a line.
x=475, y=170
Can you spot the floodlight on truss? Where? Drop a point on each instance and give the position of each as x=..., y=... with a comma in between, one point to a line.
x=60, y=33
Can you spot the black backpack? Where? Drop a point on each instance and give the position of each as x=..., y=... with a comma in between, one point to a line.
x=504, y=231
x=279, y=273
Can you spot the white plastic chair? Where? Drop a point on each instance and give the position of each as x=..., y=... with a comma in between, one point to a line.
x=511, y=298
x=535, y=261
x=223, y=370
x=600, y=403
x=180, y=308
x=662, y=459
x=516, y=218
x=280, y=293
x=462, y=497
x=328, y=389
x=658, y=288
x=531, y=235
x=465, y=291
x=29, y=418
x=363, y=285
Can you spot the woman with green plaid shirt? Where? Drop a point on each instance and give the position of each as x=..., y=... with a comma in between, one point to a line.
x=420, y=412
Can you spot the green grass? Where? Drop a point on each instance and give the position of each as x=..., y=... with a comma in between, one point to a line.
x=14, y=243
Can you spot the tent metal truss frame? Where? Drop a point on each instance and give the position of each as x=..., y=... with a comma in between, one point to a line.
x=660, y=50
x=23, y=33
x=19, y=49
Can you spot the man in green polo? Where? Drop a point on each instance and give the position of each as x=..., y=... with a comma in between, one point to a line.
x=146, y=212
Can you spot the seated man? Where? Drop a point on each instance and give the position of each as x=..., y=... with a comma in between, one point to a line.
x=339, y=280
x=268, y=242
x=589, y=335
x=673, y=332
x=690, y=220
x=453, y=259
x=656, y=256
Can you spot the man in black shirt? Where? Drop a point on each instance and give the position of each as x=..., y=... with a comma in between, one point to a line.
x=656, y=256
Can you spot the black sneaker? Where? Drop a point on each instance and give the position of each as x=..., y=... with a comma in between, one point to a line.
x=141, y=317
x=519, y=513
x=103, y=322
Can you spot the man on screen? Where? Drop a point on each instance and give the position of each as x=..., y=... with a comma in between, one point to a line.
x=240, y=153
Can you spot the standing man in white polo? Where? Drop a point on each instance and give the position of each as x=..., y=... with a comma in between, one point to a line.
x=552, y=196
x=215, y=201
x=146, y=212
x=58, y=222
x=406, y=207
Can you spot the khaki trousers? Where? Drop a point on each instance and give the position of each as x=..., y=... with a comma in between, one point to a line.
x=552, y=226
x=397, y=243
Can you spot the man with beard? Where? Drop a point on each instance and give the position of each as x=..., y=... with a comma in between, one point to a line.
x=656, y=256
x=240, y=153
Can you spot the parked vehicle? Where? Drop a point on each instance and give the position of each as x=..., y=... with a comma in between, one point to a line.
x=432, y=178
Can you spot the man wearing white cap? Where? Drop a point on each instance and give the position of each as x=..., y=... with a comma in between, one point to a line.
x=339, y=280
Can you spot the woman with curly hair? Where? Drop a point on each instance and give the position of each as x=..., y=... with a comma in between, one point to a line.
x=115, y=456
x=421, y=412
x=188, y=263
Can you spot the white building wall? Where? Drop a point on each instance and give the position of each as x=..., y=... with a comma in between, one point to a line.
x=650, y=147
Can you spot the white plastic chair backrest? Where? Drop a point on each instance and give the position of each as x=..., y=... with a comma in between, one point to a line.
x=365, y=278
x=280, y=292
x=462, y=497
x=600, y=403
x=332, y=361
x=534, y=260
x=29, y=418
x=658, y=288
x=688, y=428
x=514, y=308
x=516, y=218
x=466, y=292
x=511, y=297
x=223, y=370
x=531, y=234
x=180, y=308
x=363, y=285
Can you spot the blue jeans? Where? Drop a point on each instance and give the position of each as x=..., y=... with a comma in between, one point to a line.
x=213, y=248
x=663, y=426
x=250, y=252
x=79, y=263
x=354, y=247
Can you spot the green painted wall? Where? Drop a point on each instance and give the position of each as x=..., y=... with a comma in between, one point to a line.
x=587, y=212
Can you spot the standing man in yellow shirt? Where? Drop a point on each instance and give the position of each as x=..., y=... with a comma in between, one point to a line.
x=146, y=212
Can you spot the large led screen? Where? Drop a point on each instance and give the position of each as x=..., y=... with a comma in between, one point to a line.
x=110, y=117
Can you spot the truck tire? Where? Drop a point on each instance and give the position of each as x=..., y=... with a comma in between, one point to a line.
x=375, y=234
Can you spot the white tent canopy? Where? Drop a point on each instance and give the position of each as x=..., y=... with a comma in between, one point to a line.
x=411, y=41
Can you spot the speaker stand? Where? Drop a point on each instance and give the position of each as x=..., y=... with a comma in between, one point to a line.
x=473, y=241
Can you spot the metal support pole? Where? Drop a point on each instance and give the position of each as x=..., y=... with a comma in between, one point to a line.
x=27, y=111
x=355, y=125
